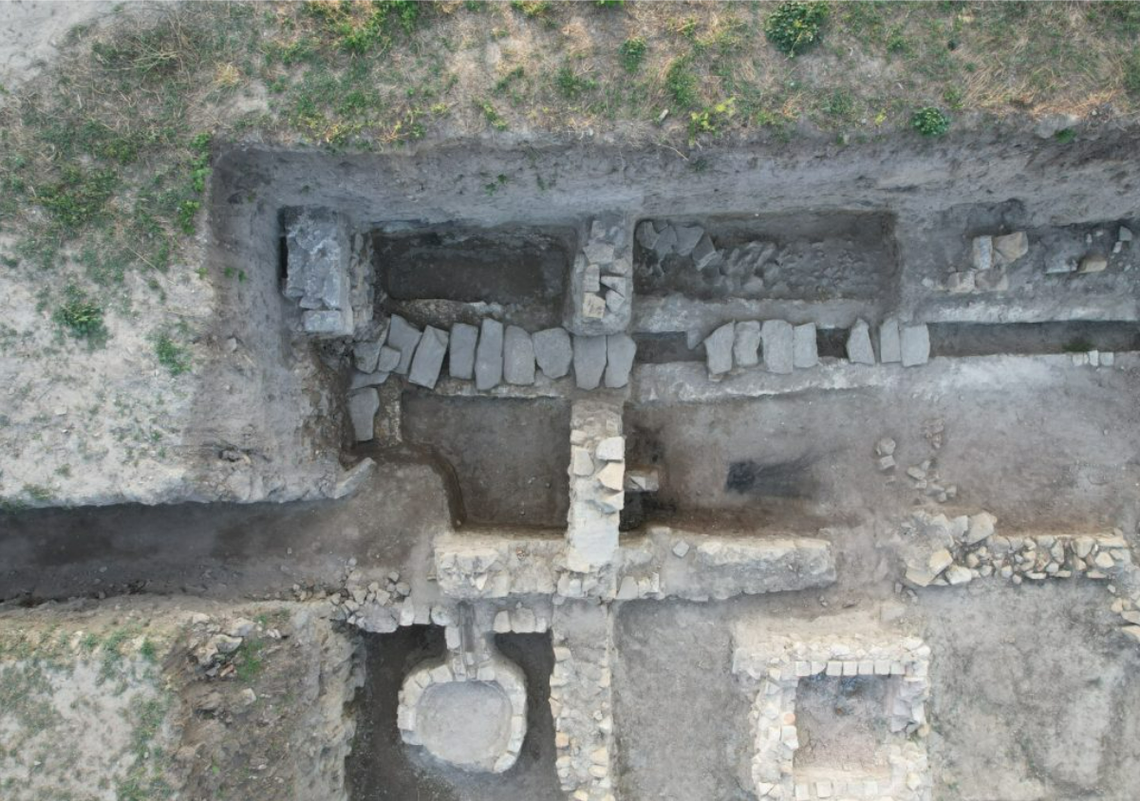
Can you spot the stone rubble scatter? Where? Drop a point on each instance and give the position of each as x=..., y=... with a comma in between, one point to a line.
x=602, y=281
x=318, y=273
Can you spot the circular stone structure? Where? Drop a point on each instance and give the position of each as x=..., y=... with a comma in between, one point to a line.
x=475, y=720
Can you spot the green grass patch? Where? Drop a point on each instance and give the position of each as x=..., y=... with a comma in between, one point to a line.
x=930, y=121
x=171, y=355
x=1132, y=71
x=571, y=85
x=79, y=196
x=681, y=83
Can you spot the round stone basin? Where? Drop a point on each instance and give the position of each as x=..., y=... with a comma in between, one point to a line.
x=465, y=723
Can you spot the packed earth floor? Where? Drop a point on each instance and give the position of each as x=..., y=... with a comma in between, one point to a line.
x=591, y=474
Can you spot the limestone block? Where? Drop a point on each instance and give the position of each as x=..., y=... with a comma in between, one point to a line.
x=859, y=349
x=404, y=337
x=779, y=346
x=428, y=360
x=620, y=351
x=553, y=352
x=915, y=341
x=589, y=361
x=718, y=349
x=489, y=355
x=461, y=355
x=518, y=357
x=362, y=407
x=890, y=341
x=746, y=344
x=805, y=350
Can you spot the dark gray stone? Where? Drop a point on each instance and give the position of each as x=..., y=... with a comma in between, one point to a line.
x=461, y=357
x=553, y=352
x=589, y=361
x=361, y=380
x=404, y=337
x=688, y=236
x=620, y=350
x=859, y=348
x=389, y=359
x=518, y=357
x=489, y=355
x=718, y=349
x=429, y=358
x=318, y=251
x=328, y=322
x=366, y=355
x=779, y=346
x=704, y=253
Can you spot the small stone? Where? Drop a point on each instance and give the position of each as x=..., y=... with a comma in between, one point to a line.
x=859, y=349
x=982, y=252
x=589, y=361
x=1124, y=235
x=680, y=549
x=961, y=283
x=620, y=352
x=489, y=355
x=593, y=306
x=890, y=342
x=518, y=357
x=611, y=449
x=592, y=278
x=428, y=360
x=389, y=359
x=885, y=446
x=778, y=337
x=627, y=591
x=646, y=234
x=957, y=574
x=1011, y=247
x=805, y=350
x=404, y=337
x=1093, y=263
x=939, y=561
x=553, y=352
x=502, y=624
x=461, y=353
x=581, y=463
x=362, y=380
x=718, y=349
x=365, y=356
x=981, y=527
x=746, y=344
x=614, y=300
x=612, y=476
x=1103, y=560
x=1059, y=264
x=886, y=463
x=915, y=345
x=666, y=241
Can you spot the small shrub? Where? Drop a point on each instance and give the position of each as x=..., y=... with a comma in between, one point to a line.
x=632, y=52
x=531, y=8
x=710, y=120
x=81, y=317
x=1065, y=136
x=171, y=356
x=494, y=119
x=681, y=83
x=79, y=197
x=930, y=121
x=795, y=26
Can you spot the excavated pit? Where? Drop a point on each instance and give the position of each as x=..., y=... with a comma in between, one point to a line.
x=1023, y=406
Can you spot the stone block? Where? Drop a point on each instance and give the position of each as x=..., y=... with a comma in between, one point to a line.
x=389, y=359
x=461, y=353
x=589, y=361
x=746, y=344
x=805, y=351
x=362, y=407
x=489, y=355
x=718, y=349
x=518, y=357
x=890, y=341
x=688, y=237
x=328, y=322
x=779, y=340
x=366, y=355
x=620, y=351
x=1093, y=263
x=428, y=360
x=705, y=253
x=404, y=337
x=1011, y=247
x=915, y=341
x=982, y=253
x=318, y=252
x=553, y=352
x=859, y=348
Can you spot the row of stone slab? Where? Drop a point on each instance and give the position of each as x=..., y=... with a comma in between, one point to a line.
x=492, y=353
x=787, y=347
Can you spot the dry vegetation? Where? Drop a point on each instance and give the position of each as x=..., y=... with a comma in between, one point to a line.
x=105, y=157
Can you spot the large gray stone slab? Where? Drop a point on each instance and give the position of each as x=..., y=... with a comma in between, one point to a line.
x=428, y=360
x=915, y=345
x=366, y=355
x=362, y=407
x=461, y=356
x=518, y=357
x=361, y=380
x=859, y=348
x=389, y=359
x=779, y=338
x=489, y=355
x=805, y=350
x=890, y=343
x=620, y=350
x=318, y=251
x=718, y=349
x=328, y=322
x=589, y=361
x=746, y=344
x=403, y=336
x=553, y=351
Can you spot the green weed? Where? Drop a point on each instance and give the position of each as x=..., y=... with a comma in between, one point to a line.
x=930, y=121
x=81, y=317
x=171, y=356
x=681, y=83
x=632, y=53
x=571, y=85
x=795, y=26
